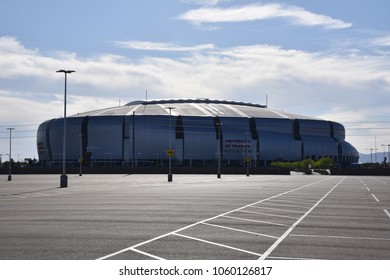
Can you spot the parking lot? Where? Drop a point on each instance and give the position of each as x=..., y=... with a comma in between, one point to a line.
x=195, y=217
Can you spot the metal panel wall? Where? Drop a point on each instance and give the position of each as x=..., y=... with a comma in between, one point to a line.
x=277, y=140
x=317, y=140
x=349, y=153
x=43, y=142
x=105, y=136
x=200, y=142
x=339, y=131
x=237, y=139
x=73, y=138
x=146, y=138
x=152, y=137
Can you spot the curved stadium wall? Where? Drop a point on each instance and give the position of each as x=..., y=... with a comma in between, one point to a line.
x=140, y=133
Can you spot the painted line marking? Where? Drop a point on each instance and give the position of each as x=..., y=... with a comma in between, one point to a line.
x=277, y=242
x=31, y=195
x=43, y=194
x=146, y=254
x=265, y=214
x=286, y=205
x=278, y=209
x=217, y=244
x=9, y=198
x=290, y=258
x=373, y=195
x=387, y=212
x=368, y=189
x=302, y=200
x=341, y=237
x=293, y=202
x=208, y=219
x=256, y=221
x=341, y=217
x=240, y=230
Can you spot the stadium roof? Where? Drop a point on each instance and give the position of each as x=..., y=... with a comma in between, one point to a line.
x=193, y=107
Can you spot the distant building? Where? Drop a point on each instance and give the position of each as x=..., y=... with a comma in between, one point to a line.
x=194, y=132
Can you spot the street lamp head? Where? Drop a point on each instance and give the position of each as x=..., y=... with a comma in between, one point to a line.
x=65, y=71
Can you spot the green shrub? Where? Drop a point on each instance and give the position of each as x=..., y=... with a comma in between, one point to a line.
x=305, y=165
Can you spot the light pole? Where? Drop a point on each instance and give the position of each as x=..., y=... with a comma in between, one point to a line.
x=247, y=156
x=384, y=154
x=10, y=142
x=64, y=177
x=371, y=149
x=388, y=152
x=81, y=155
x=219, y=149
x=170, y=151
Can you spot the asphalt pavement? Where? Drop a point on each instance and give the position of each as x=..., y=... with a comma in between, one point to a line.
x=195, y=217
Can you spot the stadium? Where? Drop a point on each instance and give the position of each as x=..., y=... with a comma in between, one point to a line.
x=192, y=133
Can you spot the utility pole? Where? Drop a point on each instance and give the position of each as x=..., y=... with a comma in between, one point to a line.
x=371, y=149
x=219, y=150
x=10, y=150
x=170, y=151
x=64, y=177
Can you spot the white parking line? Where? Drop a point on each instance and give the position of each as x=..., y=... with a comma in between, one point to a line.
x=146, y=254
x=278, y=209
x=341, y=237
x=19, y=196
x=293, y=202
x=368, y=189
x=240, y=230
x=373, y=195
x=265, y=214
x=387, y=212
x=301, y=200
x=43, y=194
x=11, y=198
x=289, y=258
x=217, y=244
x=256, y=221
x=277, y=242
x=285, y=205
x=206, y=220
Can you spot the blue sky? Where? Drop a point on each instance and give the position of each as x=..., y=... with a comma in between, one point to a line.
x=326, y=59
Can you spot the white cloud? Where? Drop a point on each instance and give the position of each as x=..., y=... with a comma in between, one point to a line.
x=382, y=41
x=11, y=45
x=202, y=2
x=222, y=70
x=300, y=82
x=161, y=46
x=254, y=12
x=24, y=113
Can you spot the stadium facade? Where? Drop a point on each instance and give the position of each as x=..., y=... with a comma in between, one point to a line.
x=193, y=132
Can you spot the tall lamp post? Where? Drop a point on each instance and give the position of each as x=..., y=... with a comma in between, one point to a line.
x=170, y=151
x=81, y=155
x=371, y=149
x=388, y=152
x=64, y=177
x=10, y=142
x=219, y=151
x=247, y=156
